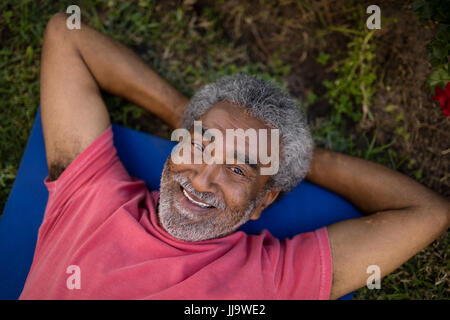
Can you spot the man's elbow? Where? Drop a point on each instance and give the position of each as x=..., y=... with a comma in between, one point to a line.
x=433, y=204
x=440, y=210
x=56, y=27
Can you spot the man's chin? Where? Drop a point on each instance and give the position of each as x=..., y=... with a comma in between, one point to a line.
x=178, y=221
x=183, y=225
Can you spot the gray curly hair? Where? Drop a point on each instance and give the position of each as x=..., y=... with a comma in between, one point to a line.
x=270, y=104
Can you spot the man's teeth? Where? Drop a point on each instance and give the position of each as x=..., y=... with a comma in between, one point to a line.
x=201, y=204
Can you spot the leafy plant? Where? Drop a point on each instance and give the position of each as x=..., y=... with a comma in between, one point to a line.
x=439, y=77
x=436, y=11
x=351, y=92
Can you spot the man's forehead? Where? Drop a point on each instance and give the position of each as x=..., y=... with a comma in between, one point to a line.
x=236, y=122
x=227, y=115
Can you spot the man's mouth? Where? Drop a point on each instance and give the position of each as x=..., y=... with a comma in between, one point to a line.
x=194, y=200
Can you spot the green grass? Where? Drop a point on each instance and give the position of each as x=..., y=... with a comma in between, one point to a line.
x=190, y=49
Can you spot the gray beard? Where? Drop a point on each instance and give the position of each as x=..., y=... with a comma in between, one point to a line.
x=183, y=225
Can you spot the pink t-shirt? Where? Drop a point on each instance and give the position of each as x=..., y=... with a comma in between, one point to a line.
x=101, y=239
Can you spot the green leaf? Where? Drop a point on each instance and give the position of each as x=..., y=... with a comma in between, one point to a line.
x=311, y=97
x=439, y=52
x=323, y=58
x=29, y=53
x=439, y=77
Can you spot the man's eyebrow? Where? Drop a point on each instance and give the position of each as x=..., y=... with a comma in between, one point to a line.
x=204, y=129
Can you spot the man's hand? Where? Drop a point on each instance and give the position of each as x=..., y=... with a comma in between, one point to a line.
x=403, y=217
x=76, y=64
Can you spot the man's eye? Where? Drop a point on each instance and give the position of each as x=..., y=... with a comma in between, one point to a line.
x=237, y=171
x=198, y=146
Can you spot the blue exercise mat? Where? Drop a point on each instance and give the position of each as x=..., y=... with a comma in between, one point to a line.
x=306, y=208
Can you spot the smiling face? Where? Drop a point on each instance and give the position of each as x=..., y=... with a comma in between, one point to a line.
x=206, y=201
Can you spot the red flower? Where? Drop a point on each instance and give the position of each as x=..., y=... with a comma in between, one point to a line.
x=443, y=96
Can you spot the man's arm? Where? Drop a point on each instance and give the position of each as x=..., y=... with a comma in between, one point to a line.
x=402, y=217
x=75, y=65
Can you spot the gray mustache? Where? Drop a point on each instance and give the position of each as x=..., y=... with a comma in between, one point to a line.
x=206, y=197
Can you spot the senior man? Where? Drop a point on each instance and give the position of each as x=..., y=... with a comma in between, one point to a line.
x=126, y=242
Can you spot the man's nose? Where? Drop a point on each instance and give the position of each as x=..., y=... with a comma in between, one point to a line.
x=203, y=177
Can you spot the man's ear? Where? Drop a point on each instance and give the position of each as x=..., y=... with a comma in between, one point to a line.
x=264, y=202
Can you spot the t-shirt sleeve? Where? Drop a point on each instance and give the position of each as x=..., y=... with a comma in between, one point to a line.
x=304, y=267
x=94, y=168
